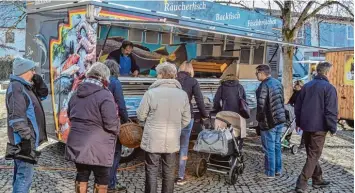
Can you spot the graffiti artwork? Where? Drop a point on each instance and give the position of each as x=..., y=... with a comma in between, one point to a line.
x=349, y=70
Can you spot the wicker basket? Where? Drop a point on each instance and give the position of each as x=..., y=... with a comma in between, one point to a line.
x=131, y=135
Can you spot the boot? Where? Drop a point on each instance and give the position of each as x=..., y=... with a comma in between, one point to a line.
x=81, y=187
x=100, y=188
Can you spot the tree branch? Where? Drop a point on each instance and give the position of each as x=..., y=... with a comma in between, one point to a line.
x=301, y=18
x=279, y=4
x=327, y=4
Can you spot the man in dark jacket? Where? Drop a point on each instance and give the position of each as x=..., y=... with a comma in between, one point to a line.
x=316, y=113
x=123, y=56
x=271, y=117
x=26, y=123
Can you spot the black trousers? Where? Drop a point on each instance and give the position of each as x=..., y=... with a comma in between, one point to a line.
x=314, y=142
x=101, y=173
x=152, y=163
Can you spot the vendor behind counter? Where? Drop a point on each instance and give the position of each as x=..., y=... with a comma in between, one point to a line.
x=124, y=58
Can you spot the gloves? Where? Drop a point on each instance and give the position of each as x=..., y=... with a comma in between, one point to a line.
x=24, y=133
x=26, y=147
x=206, y=122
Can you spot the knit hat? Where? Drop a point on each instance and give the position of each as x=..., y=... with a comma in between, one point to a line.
x=22, y=65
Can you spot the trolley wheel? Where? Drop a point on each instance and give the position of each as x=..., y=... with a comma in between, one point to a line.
x=233, y=174
x=241, y=168
x=201, y=167
x=294, y=149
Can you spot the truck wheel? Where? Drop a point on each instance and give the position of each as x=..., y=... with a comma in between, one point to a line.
x=128, y=154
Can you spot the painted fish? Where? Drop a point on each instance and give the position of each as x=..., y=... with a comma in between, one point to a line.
x=72, y=60
x=40, y=40
x=71, y=70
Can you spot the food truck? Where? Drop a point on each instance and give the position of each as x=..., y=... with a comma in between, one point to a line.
x=65, y=38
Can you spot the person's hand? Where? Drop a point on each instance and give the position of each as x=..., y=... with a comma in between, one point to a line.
x=25, y=133
x=135, y=73
x=206, y=123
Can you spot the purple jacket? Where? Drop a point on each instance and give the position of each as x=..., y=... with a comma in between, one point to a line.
x=94, y=126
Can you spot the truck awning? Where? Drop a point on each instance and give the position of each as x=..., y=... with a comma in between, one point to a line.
x=189, y=31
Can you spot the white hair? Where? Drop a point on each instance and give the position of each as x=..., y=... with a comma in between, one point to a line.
x=99, y=70
x=166, y=70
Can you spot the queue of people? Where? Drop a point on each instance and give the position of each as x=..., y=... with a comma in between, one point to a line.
x=97, y=109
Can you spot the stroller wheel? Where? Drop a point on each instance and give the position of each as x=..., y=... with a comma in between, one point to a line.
x=241, y=168
x=294, y=149
x=201, y=168
x=233, y=174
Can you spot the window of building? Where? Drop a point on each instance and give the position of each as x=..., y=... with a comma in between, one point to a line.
x=228, y=47
x=135, y=35
x=151, y=37
x=206, y=49
x=259, y=55
x=10, y=37
x=350, y=32
x=165, y=38
x=244, y=55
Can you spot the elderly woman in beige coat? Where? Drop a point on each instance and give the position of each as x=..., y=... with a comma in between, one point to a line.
x=165, y=109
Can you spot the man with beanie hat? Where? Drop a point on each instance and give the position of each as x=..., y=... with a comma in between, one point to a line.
x=26, y=123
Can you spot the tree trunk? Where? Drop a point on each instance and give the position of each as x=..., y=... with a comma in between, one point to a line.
x=287, y=73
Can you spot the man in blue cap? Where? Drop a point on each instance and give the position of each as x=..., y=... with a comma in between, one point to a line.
x=25, y=119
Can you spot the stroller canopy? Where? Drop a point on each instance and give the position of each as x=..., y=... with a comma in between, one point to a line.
x=238, y=122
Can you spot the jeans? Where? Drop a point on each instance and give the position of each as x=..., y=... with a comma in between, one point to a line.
x=152, y=162
x=116, y=163
x=101, y=173
x=314, y=142
x=23, y=174
x=271, y=142
x=184, y=148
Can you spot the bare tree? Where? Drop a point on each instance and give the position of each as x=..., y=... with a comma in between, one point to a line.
x=12, y=13
x=302, y=11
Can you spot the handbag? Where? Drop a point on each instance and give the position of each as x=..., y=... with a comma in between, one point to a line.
x=244, y=110
x=213, y=141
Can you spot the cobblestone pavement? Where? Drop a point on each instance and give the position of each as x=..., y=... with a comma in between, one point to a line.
x=55, y=174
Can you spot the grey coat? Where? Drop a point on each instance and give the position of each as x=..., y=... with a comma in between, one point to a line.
x=94, y=126
x=165, y=109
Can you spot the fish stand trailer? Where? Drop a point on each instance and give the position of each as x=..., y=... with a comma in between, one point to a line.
x=65, y=38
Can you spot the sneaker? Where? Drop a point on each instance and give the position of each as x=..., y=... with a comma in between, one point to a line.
x=117, y=189
x=320, y=184
x=180, y=181
x=278, y=174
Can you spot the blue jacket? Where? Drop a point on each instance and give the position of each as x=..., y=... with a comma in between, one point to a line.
x=317, y=106
x=116, y=89
x=25, y=116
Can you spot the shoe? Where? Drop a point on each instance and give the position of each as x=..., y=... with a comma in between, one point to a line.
x=81, y=187
x=269, y=177
x=118, y=188
x=320, y=184
x=302, y=146
x=100, y=188
x=299, y=190
x=180, y=181
x=278, y=174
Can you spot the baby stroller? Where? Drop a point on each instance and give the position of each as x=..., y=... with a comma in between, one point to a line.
x=290, y=127
x=231, y=162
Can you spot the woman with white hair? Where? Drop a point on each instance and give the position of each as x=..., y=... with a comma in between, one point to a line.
x=165, y=108
x=94, y=128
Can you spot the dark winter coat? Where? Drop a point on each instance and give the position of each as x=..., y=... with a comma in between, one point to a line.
x=116, y=89
x=94, y=126
x=293, y=98
x=192, y=88
x=228, y=96
x=317, y=106
x=270, y=104
x=26, y=122
x=115, y=55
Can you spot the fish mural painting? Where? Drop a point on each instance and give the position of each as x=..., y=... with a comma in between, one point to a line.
x=71, y=54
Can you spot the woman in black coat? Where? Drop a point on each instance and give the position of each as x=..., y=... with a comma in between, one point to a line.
x=192, y=88
x=228, y=95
